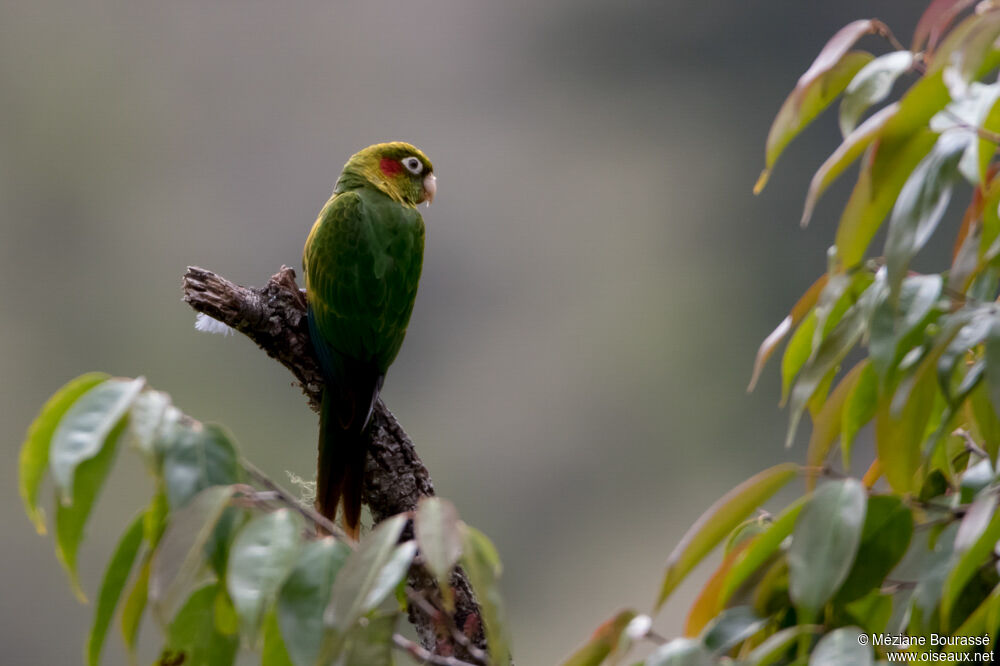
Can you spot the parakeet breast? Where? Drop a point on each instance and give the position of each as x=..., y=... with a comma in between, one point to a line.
x=362, y=265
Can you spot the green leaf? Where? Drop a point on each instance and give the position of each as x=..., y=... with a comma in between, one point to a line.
x=858, y=410
x=840, y=647
x=84, y=429
x=928, y=561
x=370, y=642
x=921, y=204
x=825, y=542
x=35, y=450
x=260, y=558
x=992, y=355
x=826, y=425
x=273, y=651
x=354, y=590
x=195, y=458
x=830, y=353
x=192, y=633
x=180, y=558
x=304, y=596
x=146, y=419
x=440, y=541
x=71, y=518
x=963, y=55
x=720, y=519
x=971, y=110
x=797, y=352
x=602, y=642
x=730, y=627
x=871, y=85
x=777, y=644
x=853, y=146
x=981, y=624
x=115, y=577
x=801, y=308
x=885, y=537
x=972, y=552
x=895, y=324
x=898, y=436
x=816, y=89
x=884, y=169
x=763, y=547
x=482, y=564
x=680, y=652
x=134, y=607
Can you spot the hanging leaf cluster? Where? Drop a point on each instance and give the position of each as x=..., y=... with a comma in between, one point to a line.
x=873, y=351
x=223, y=566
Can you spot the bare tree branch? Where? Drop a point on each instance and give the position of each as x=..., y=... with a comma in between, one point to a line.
x=274, y=317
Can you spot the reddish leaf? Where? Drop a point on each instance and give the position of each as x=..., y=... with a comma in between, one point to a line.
x=935, y=21
x=709, y=601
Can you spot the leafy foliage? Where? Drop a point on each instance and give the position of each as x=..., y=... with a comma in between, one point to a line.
x=911, y=548
x=222, y=564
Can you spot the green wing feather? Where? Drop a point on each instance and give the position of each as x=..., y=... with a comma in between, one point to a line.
x=363, y=261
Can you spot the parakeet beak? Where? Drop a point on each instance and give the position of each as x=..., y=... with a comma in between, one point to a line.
x=430, y=188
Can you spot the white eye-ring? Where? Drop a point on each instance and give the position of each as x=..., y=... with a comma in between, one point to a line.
x=413, y=165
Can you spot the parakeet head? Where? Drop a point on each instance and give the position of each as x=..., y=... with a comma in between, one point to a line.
x=398, y=169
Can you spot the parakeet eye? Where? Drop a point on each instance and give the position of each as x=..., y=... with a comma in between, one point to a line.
x=413, y=165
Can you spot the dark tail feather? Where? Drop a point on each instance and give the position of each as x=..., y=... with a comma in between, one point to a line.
x=343, y=448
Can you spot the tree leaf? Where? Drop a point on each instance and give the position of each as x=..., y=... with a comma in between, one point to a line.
x=192, y=638
x=134, y=607
x=760, y=550
x=963, y=54
x=825, y=542
x=830, y=353
x=260, y=558
x=970, y=558
x=802, y=307
x=842, y=646
x=921, y=205
x=71, y=518
x=816, y=89
x=827, y=424
x=84, y=429
x=992, y=356
x=776, y=646
x=853, y=146
x=603, y=642
x=898, y=436
x=983, y=621
x=680, y=652
x=894, y=324
x=797, y=352
x=352, y=589
x=180, y=556
x=146, y=418
x=884, y=170
x=273, y=651
x=708, y=604
x=720, y=519
x=440, y=541
x=935, y=21
x=732, y=626
x=886, y=534
x=304, y=596
x=195, y=458
x=35, y=450
x=115, y=577
x=871, y=85
x=370, y=641
x=859, y=409
x=482, y=564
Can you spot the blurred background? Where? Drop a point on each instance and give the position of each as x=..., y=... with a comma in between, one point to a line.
x=597, y=273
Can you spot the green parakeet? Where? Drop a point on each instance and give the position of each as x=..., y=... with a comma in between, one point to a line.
x=362, y=264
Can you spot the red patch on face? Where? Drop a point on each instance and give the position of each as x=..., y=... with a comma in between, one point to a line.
x=390, y=167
